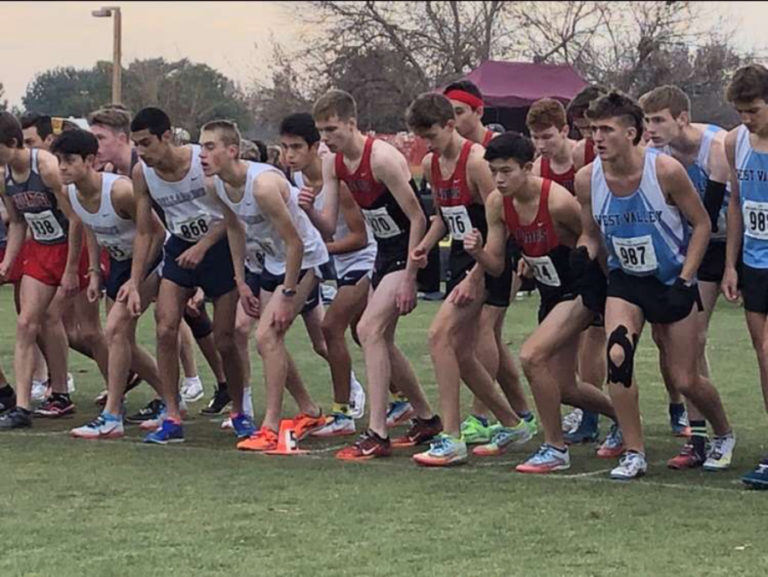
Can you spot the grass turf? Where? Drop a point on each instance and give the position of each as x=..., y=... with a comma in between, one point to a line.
x=121, y=508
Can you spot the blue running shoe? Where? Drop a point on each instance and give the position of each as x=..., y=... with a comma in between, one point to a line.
x=758, y=478
x=546, y=460
x=587, y=431
x=678, y=420
x=167, y=432
x=243, y=426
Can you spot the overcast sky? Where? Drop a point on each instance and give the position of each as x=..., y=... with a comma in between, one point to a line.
x=233, y=37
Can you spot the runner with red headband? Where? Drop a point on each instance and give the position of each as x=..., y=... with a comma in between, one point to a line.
x=467, y=104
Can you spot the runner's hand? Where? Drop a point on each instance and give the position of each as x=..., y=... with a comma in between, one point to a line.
x=419, y=256
x=405, y=298
x=248, y=300
x=473, y=242
x=730, y=284
x=129, y=296
x=191, y=257
x=306, y=198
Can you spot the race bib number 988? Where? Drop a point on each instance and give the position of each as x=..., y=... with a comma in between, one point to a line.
x=756, y=219
x=636, y=255
x=381, y=223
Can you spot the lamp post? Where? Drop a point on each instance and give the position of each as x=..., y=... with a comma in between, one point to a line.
x=106, y=12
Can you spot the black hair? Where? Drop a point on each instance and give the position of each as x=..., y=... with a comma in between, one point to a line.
x=263, y=152
x=511, y=145
x=42, y=122
x=76, y=142
x=152, y=119
x=466, y=86
x=302, y=125
x=616, y=104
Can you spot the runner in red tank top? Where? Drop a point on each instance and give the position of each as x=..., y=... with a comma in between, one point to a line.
x=545, y=218
x=549, y=130
x=584, y=151
x=381, y=183
x=460, y=182
x=467, y=101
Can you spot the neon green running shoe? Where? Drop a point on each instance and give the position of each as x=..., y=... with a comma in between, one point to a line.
x=503, y=438
x=474, y=432
x=533, y=425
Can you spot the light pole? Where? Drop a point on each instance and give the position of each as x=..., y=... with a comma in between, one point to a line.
x=106, y=12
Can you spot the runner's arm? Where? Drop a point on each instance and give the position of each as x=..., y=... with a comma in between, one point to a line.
x=142, y=243
x=675, y=182
x=437, y=229
x=735, y=230
x=124, y=201
x=565, y=209
x=358, y=233
x=491, y=258
x=717, y=181
x=17, y=226
x=49, y=172
x=326, y=220
x=270, y=193
x=590, y=237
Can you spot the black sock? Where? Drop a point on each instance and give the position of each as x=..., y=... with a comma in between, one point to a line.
x=6, y=391
x=222, y=387
x=699, y=438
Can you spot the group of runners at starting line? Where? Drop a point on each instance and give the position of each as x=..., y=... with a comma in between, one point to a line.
x=625, y=226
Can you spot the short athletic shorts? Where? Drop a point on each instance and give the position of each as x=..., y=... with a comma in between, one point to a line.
x=497, y=289
x=387, y=263
x=14, y=274
x=269, y=282
x=753, y=283
x=713, y=264
x=46, y=263
x=214, y=274
x=120, y=273
x=548, y=303
x=651, y=296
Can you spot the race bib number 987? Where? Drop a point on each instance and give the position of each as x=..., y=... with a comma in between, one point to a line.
x=381, y=223
x=636, y=255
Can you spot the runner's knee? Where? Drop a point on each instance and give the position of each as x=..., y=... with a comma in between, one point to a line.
x=621, y=356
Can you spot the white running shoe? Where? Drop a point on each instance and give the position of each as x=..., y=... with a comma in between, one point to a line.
x=631, y=466
x=226, y=424
x=39, y=390
x=70, y=383
x=572, y=420
x=102, y=427
x=356, y=398
x=720, y=453
x=338, y=425
x=192, y=389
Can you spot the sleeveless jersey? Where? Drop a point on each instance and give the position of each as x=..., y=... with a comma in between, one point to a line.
x=37, y=203
x=699, y=172
x=461, y=212
x=383, y=214
x=112, y=231
x=189, y=211
x=261, y=235
x=343, y=262
x=487, y=137
x=541, y=247
x=565, y=179
x=752, y=175
x=589, y=151
x=643, y=234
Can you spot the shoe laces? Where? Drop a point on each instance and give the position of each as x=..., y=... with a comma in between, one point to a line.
x=718, y=447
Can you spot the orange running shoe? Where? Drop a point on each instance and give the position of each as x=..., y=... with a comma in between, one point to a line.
x=303, y=424
x=262, y=440
x=368, y=446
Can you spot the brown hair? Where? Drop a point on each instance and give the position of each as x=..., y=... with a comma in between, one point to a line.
x=545, y=113
x=335, y=103
x=616, y=104
x=226, y=130
x=664, y=97
x=427, y=110
x=10, y=130
x=577, y=107
x=749, y=83
x=119, y=120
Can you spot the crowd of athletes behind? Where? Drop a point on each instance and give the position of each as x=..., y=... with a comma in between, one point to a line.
x=646, y=217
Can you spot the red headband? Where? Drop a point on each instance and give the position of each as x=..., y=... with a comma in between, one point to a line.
x=465, y=97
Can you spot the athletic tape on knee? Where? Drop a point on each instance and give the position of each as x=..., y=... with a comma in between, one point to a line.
x=622, y=373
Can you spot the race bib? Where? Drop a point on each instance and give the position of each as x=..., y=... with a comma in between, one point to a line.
x=636, y=254
x=118, y=252
x=265, y=246
x=381, y=223
x=458, y=221
x=756, y=219
x=543, y=270
x=192, y=229
x=44, y=226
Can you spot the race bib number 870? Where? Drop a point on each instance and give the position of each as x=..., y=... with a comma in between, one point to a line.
x=636, y=255
x=381, y=223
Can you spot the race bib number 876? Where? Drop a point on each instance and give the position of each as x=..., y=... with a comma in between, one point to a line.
x=458, y=221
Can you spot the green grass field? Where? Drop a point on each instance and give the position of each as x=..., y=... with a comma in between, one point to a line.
x=121, y=508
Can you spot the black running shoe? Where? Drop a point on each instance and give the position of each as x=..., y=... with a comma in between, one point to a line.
x=151, y=411
x=7, y=400
x=218, y=403
x=57, y=405
x=16, y=418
